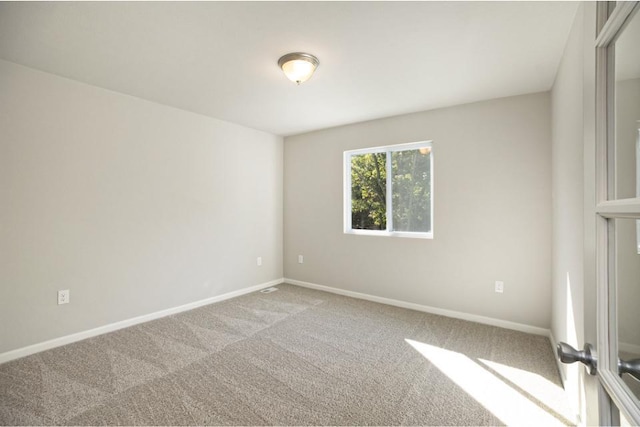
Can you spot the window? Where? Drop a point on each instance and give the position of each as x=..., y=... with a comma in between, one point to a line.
x=388, y=191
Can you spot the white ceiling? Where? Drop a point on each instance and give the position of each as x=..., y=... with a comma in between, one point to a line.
x=377, y=59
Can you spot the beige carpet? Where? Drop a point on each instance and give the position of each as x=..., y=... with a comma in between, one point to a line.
x=291, y=357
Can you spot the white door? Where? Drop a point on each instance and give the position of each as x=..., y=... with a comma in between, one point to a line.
x=618, y=212
x=615, y=357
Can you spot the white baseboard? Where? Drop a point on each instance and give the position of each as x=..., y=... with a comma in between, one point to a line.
x=427, y=309
x=68, y=339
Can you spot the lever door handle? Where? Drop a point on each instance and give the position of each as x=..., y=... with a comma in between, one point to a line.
x=631, y=367
x=568, y=354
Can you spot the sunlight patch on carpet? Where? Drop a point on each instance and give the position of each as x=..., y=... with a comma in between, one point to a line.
x=538, y=387
x=505, y=402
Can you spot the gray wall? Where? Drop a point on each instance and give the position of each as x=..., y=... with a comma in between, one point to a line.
x=133, y=206
x=492, y=219
x=568, y=204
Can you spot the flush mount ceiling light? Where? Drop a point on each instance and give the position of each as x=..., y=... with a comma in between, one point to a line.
x=298, y=66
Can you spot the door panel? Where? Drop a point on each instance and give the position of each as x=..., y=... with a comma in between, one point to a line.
x=617, y=183
x=626, y=173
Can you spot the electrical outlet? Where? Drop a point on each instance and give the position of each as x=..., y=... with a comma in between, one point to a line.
x=300, y=259
x=499, y=287
x=259, y=261
x=63, y=297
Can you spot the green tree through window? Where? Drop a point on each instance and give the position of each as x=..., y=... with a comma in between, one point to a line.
x=369, y=191
x=411, y=190
x=409, y=207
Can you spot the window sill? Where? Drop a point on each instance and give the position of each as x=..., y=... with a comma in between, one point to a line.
x=377, y=233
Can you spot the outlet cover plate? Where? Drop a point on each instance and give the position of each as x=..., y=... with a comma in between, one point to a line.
x=63, y=297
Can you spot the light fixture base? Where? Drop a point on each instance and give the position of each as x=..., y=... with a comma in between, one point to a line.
x=298, y=66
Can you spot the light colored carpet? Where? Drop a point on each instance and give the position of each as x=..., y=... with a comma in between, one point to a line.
x=291, y=357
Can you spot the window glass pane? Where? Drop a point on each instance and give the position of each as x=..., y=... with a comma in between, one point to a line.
x=369, y=191
x=411, y=181
x=627, y=112
x=627, y=271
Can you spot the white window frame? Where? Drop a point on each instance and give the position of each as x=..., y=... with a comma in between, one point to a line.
x=388, y=149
